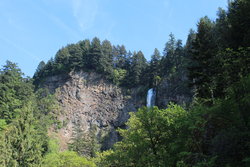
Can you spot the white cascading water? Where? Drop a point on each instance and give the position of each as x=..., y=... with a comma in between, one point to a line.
x=151, y=98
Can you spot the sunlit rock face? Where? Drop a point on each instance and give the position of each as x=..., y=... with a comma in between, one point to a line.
x=92, y=104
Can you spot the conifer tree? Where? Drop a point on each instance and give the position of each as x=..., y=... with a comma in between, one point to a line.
x=239, y=21
x=106, y=58
x=138, y=66
x=76, y=60
x=95, y=55
x=85, y=49
x=14, y=91
x=155, y=66
x=20, y=142
x=39, y=69
x=60, y=63
x=168, y=56
x=202, y=57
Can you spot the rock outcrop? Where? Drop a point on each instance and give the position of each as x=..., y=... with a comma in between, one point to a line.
x=174, y=89
x=87, y=100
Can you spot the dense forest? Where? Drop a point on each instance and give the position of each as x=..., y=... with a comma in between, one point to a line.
x=212, y=131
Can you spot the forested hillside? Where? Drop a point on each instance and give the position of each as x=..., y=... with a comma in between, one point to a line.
x=210, y=130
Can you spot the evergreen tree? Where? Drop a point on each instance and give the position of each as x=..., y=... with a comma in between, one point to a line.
x=189, y=46
x=79, y=142
x=76, y=60
x=14, y=91
x=95, y=55
x=115, y=53
x=190, y=41
x=119, y=56
x=39, y=69
x=155, y=67
x=179, y=55
x=168, y=56
x=138, y=65
x=202, y=57
x=128, y=60
x=84, y=143
x=106, y=58
x=60, y=63
x=124, y=75
x=221, y=30
x=239, y=21
x=232, y=66
x=85, y=49
x=21, y=143
x=122, y=56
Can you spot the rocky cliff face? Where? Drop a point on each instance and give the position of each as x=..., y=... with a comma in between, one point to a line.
x=91, y=104
x=173, y=89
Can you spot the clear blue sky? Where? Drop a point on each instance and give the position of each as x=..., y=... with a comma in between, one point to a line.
x=33, y=30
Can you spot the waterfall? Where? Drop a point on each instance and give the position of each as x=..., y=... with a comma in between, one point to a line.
x=151, y=97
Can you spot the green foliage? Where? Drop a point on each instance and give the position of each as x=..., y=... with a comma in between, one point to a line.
x=106, y=59
x=150, y=139
x=172, y=62
x=105, y=158
x=84, y=143
x=40, y=68
x=120, y=57
x=208, y=136
x=219, y=51
x=168, y=56
x=202, y=67
x=95, y=54
x=21, y=143
x=2, y=124
x=66, y=159
x=115, y=63
x=25, y=117
x=54, y=158
x=14, y=91
x=53, y=146
x=239, y=20
x=156, y=80
x=138, y=66
x=233, y=66
x=119, y=76
x=219, y=133
x=154, y=68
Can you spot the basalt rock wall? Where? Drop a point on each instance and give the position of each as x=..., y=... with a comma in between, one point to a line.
x=90, y=103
